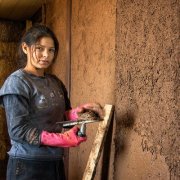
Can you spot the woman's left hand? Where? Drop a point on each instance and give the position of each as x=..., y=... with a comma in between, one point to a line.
x=96, y=107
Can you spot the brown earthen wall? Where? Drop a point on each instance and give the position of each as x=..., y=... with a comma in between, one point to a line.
x=93, y=67
x=57, y=19
x=10, y=33
x=147, y=95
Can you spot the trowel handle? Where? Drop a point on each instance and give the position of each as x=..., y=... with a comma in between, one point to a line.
x=82, y=131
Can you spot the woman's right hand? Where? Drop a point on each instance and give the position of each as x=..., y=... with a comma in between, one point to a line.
x=66, y=139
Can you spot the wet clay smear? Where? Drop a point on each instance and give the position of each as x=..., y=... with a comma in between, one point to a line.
x=89, y=115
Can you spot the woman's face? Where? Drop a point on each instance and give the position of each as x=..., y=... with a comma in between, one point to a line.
x=41, y=54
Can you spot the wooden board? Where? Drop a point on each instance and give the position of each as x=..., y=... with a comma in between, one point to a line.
x=98, y=144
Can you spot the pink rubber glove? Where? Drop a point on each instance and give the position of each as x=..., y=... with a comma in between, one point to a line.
x=67, y=139
x=73, y=114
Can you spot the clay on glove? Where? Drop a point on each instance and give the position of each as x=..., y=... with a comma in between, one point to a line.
x=74, y=114
x=67, y=139
x=95, y=107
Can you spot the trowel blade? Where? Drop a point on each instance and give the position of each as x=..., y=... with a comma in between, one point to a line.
x=73, y=123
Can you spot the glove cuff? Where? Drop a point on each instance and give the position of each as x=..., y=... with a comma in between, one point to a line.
x=72, y=114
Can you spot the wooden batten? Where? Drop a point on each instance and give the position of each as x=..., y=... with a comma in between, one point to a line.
x=98, y=143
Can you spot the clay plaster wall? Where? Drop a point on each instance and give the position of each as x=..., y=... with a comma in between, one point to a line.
x=93, y=67
x=8, y=63
x=147, y=95
x=57, y=19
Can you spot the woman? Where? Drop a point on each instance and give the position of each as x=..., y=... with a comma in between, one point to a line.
x=34, y=101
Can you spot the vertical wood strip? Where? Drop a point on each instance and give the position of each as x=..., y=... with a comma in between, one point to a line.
x=98, y=144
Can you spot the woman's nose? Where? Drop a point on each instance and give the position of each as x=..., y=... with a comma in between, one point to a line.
x=45, y=53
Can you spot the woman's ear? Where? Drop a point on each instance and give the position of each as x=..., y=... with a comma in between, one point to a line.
x=24, y=47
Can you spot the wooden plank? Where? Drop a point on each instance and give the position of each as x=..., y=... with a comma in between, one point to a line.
x=98, y=144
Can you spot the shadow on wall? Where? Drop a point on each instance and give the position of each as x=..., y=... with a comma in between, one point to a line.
x=124, y=123
x=107, y=152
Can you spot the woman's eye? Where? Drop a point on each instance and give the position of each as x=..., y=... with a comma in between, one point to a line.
x=39, y=48
x=52, y=50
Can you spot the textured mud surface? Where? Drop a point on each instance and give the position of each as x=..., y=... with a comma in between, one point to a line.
x=10, y=33
x=148, y=77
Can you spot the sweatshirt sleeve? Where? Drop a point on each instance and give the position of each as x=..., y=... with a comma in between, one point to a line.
x=14, y=85
x=20, y=128
x=14, y=97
